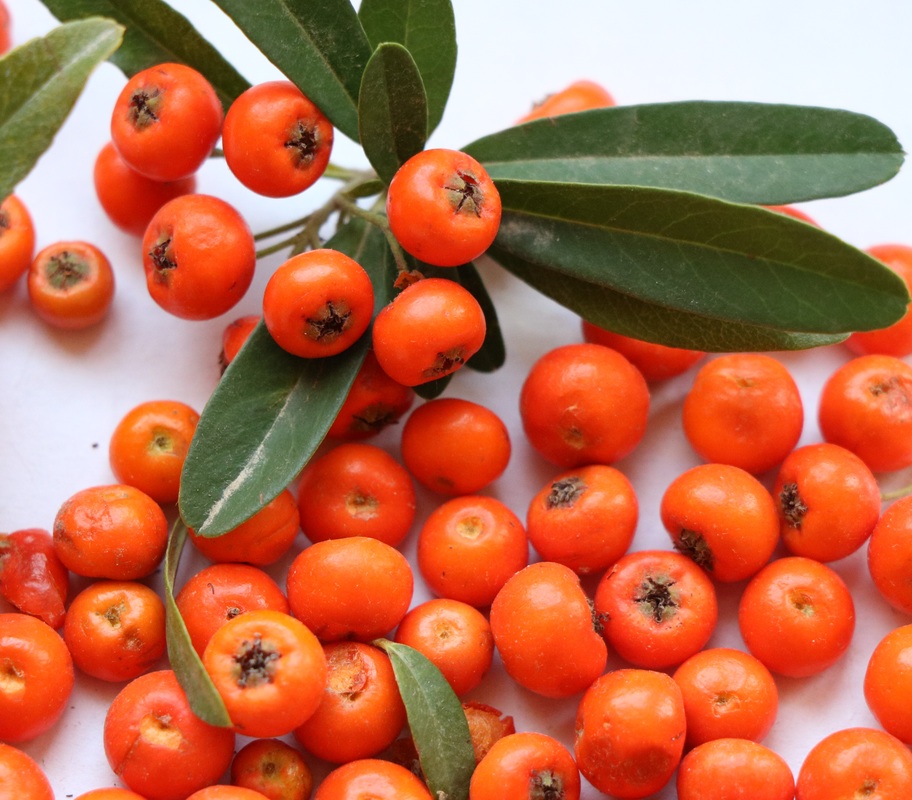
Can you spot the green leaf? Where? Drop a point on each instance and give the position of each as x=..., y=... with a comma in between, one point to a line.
x=427, y=28
x=204, y=698
x=746, y=152
x=155, y=34
x=431, y=389
x=696, y=254
x=41, y=82
x=318, y=44
x=650, y=322
x=392, y=110
x=493, y=351
x=269, y=413
x=436, y=720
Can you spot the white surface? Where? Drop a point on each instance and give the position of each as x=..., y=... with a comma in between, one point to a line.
x=63, y=393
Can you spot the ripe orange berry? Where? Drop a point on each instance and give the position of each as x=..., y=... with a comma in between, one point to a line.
x=544, y=630
x=743, y=409
x=430, y=329
x=71, y=285
x=657, y=362
x=866, y=407
x=17, y=241
x=148, y=447
x=199, y=256
x=454, y=446
x=276, y=141
x=166, y=121
x=318, y=303
x=443, y=207
x=584, y=404
x=578, y=96
x=890, y=555
x=584, y=518
x=129, y=198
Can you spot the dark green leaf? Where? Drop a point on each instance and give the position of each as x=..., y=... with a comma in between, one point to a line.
x=493, y=352
x=436, y=720
x=392, y=110
x=201, y=692
x=318, y=44
x=434, y=388
x=631, y=317
x=156, y=33
x=746, y=152
x=700, y=255
x=269, y=413
x=427, y=28
x=41, y=81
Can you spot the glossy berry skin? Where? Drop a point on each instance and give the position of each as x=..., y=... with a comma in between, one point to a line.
x=199, y=256
x=429, y=331
x=129, y=198
x=276, y=141
x=657, y=362
x=21, y=777
x=630, y=728
x=584, y=404
x=866, y=407
x=318, y=303
x=732, y=769
x=543, y=629
x=166, y=121
x=443, y=208
x=888, y=682
x=890, y=555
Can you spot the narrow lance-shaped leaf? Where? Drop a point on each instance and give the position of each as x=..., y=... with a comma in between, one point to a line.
x=436, y=720
x=642, y=320
x=427, y=28
x=41, y=82
x=392, y=110
x=268, y=414
x=746, y=152
x=318, y=44
x=156, y=33
x=191, y=674
x=697, y=254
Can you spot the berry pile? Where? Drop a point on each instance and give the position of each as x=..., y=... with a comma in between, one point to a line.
x=516, y=557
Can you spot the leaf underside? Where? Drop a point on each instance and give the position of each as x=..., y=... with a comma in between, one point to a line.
x=41, y=82
x=201, y=693
x=155, y=34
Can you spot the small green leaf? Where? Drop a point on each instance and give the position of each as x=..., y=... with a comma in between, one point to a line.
x=318, y=44
x=493, y=351
x=427, y=28
x=191, y=674
x=641, y=320
x=155, y=34
x=269, y=413
x=745, y=152
x=392, y=110
x=41, y=82
x=437, y=722
x=431, y=389
x=700, y=255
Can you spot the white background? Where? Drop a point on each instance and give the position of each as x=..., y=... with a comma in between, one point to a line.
x=62, y=393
